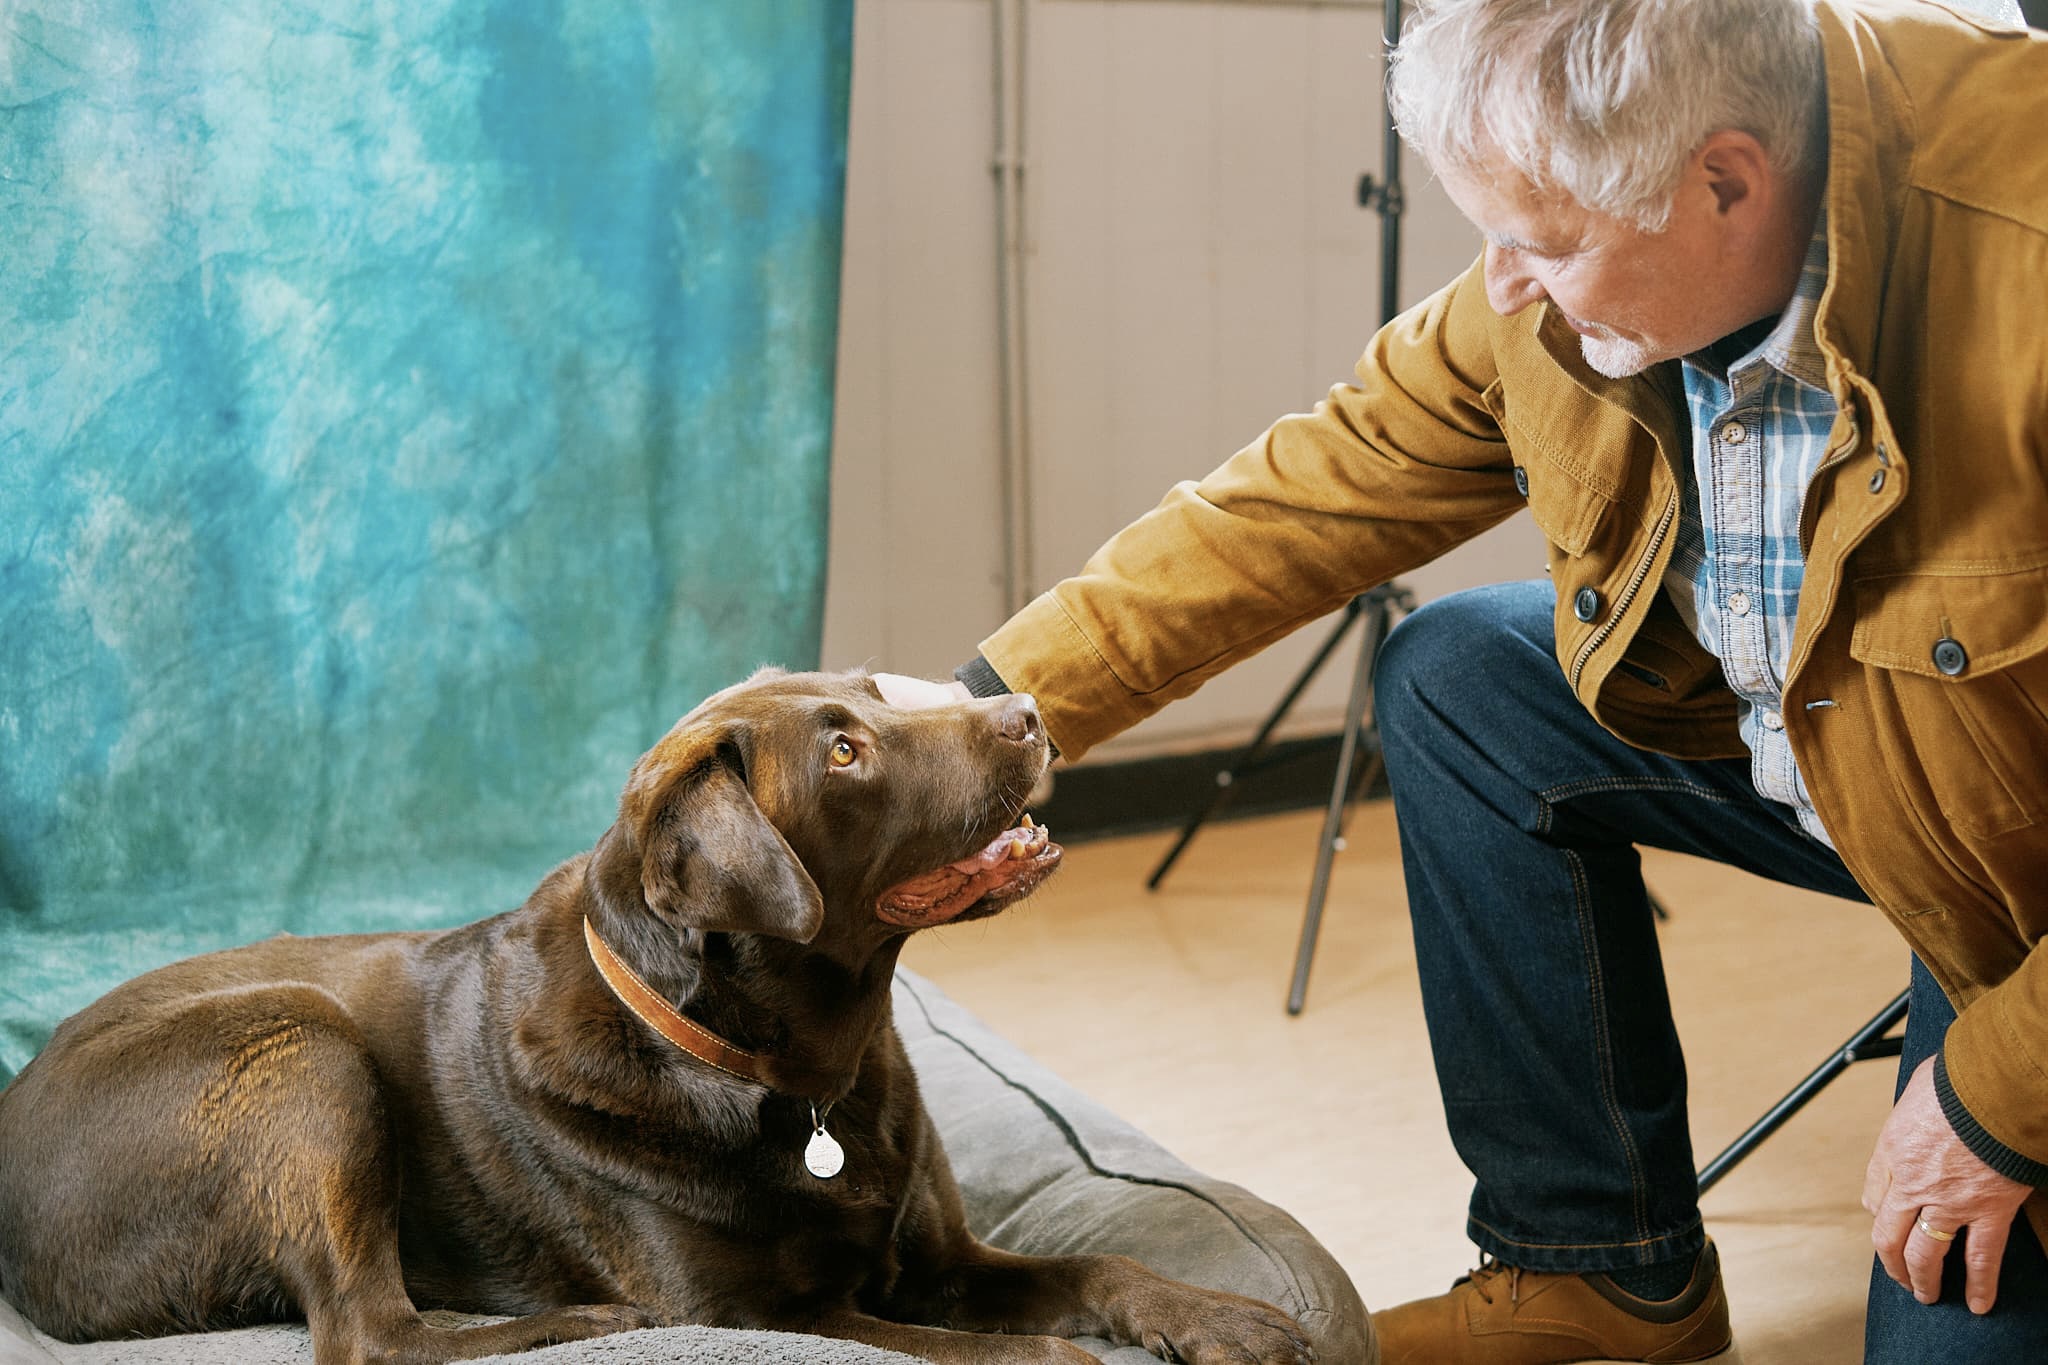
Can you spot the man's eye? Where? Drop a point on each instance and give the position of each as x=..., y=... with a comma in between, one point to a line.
x=842, y=753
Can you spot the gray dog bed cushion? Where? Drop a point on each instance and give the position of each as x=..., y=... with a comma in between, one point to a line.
x=1043, y=1169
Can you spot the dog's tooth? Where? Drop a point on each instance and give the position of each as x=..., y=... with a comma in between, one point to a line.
x=1019, y=849
x=1027, y=821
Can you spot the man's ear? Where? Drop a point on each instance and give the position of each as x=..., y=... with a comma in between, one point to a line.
x=1735, y=169
x=710, y=859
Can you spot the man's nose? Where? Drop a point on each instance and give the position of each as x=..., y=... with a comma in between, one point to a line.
x=1509, y=286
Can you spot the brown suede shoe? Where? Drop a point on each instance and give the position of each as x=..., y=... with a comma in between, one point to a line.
x=1499, y=1315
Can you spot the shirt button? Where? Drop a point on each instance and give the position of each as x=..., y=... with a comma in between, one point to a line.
x=1586, y=605
x=1772, y=720
x=1949, y=656
x=1738, y=603
x=1734, y=433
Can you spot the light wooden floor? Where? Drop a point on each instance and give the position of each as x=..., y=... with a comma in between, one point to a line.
x=1169, y=1008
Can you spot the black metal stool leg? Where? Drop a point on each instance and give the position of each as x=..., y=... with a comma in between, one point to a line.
x=1868, y=1043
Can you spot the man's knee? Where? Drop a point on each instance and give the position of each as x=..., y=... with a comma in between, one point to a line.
x=1460, y=653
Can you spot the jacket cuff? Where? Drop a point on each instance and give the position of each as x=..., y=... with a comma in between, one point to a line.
x=1042, y=651
x=981, y=678
x=1987, y=1149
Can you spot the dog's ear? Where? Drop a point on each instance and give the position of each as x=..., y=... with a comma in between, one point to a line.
x=709, y=858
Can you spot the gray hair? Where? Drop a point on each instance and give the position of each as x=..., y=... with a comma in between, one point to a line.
x=1606, y=99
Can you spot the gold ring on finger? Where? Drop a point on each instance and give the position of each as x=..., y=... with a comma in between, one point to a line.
x=1921, y=1223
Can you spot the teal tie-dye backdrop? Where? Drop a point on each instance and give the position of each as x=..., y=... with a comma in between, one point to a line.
x=406, y=411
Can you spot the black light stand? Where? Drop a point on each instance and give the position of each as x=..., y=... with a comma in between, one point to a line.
x=1375, y=607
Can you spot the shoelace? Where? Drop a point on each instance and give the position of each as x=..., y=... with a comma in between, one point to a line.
x=1487, y=1273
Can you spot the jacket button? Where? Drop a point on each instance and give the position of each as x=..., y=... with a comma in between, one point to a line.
x=1949, y=656
x=1522, y=481
x=1877, y=481
x=1586, y=606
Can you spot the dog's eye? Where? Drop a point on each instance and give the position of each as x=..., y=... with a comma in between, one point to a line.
x=843, y=752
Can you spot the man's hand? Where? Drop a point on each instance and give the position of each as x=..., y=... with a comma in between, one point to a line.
x=1922, y=1170
x=914, y=694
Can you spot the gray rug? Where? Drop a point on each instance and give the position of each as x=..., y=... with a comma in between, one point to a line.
x=290, y=1345
x=286, y=1344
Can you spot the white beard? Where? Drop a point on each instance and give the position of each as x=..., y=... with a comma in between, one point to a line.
x=1615, y=357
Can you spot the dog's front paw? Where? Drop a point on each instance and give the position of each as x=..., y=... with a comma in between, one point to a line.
x=1207, y=1327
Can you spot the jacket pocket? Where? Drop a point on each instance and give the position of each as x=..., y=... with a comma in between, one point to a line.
x=1666, y=649
x=1962, y=659
x=1566, y=498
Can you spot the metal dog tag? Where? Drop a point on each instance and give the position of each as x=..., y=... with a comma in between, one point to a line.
x=824, y=1156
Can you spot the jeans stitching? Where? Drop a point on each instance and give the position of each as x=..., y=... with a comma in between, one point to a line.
x=1564, y=791
x=1675, y=1233
x=1582, y=906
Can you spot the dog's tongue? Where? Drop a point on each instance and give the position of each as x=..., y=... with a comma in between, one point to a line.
x=1018, y=857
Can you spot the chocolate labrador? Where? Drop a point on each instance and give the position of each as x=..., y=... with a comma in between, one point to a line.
x=667, y=1089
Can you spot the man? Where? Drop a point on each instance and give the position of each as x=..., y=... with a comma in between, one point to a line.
x=1757, y=338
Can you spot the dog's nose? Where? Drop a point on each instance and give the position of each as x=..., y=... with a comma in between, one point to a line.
x=1017, y=720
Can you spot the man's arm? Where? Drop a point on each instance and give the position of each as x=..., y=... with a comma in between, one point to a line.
x=1384, y=475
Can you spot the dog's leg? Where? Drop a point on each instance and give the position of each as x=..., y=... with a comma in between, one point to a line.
x=943, y=1346
x=404, y=1338
x=950, y=1276
x=1113, y=1297
x=317, y=1143
x=1003, y=1309
x=357, y=1308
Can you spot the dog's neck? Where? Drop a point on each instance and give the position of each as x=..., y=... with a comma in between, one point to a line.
x=652, y=1010
x=701, y=992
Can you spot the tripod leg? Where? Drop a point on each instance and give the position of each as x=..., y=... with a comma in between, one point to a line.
x=1373, y=765
x=1377, y=622
x=1226, y=780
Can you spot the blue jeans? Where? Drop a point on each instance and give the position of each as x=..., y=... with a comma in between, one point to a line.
x=1560, y=1068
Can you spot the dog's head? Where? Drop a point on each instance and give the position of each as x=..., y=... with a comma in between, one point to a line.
x=797, y=801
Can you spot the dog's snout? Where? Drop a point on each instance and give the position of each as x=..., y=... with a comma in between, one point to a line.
x=1017, y=720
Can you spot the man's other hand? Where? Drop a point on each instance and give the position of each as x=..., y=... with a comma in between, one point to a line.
x=914, y=694
x=1921, y=1169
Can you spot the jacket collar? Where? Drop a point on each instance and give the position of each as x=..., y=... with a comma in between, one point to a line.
x=1869, y=140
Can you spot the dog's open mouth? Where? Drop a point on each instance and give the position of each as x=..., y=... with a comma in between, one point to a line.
x=1009, y=869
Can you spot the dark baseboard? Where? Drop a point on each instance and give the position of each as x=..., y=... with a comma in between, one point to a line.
x=1099, y=800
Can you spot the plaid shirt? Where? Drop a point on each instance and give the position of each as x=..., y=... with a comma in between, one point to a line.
x=1760, y=429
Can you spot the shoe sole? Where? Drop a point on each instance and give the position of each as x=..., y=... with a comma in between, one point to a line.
x=1731, y=1356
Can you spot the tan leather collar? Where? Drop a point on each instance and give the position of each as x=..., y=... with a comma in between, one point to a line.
x=655, y=1012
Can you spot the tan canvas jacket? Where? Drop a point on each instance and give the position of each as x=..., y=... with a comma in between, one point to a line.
x=1924, y=613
